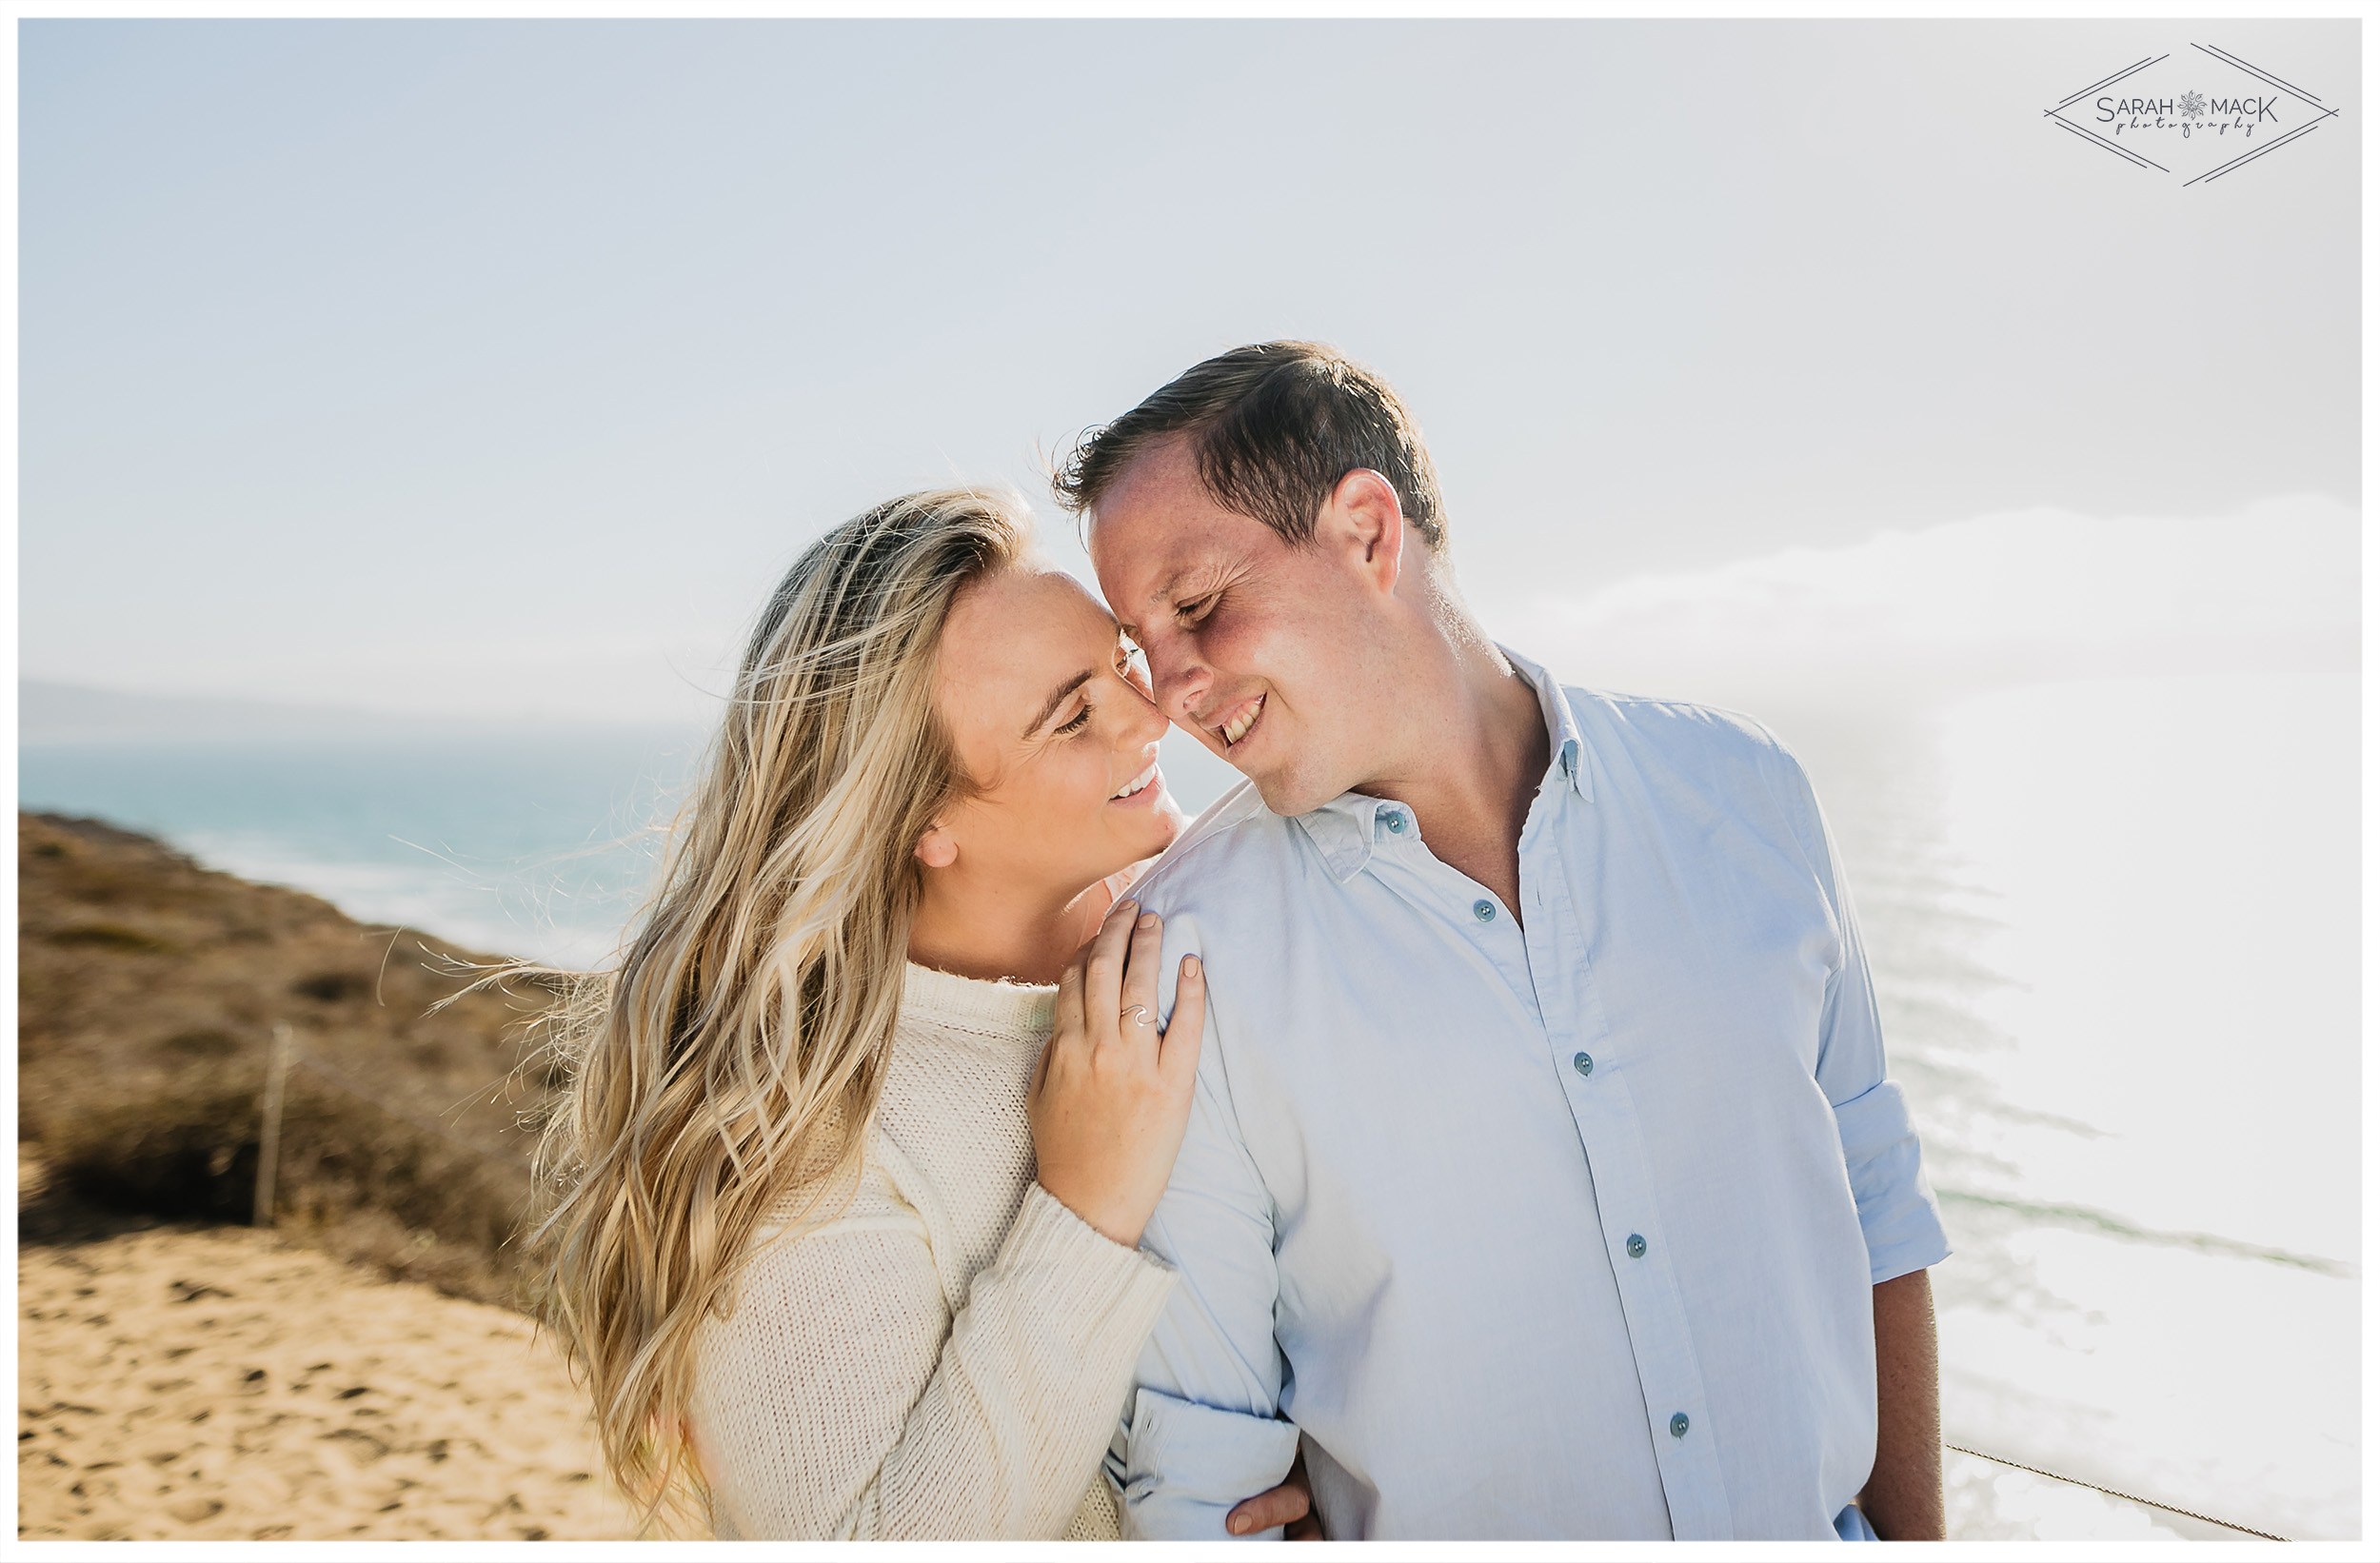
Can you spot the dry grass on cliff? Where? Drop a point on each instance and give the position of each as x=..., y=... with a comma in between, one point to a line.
x=149, y=990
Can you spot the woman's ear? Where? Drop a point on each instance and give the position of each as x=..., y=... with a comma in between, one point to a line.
x=936, y=849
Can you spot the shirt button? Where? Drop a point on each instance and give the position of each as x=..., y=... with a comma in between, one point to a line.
x=1484, y=910
x=1636, y=1245
x=1582, y=1063
x=1396, y=824
x=1678, y=1425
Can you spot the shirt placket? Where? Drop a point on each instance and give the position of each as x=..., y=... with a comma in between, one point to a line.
x=1593, y=1066
x=1487, y=924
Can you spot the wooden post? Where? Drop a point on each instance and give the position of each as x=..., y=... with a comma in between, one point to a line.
x=268, y=1147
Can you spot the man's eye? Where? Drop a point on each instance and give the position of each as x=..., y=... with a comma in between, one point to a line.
x=1190, y=613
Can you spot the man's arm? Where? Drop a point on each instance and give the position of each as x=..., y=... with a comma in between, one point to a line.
x=1903, y=1498
x=1897, y=1215
x=1202, y=1431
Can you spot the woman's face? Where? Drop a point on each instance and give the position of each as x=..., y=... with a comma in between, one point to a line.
x=1054, y=722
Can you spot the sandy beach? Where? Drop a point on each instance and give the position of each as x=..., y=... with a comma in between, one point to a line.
x=215, y=1383
x=183, y=1374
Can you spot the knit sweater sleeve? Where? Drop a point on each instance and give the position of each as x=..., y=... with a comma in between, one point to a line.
x=843, y=1399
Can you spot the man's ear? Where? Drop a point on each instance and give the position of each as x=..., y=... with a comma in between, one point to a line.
x=1366, y=519
x=936, y=848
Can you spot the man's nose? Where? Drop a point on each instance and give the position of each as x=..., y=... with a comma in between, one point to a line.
x=1178, y=677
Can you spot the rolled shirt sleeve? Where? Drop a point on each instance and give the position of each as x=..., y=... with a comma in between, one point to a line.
x=1186, y=1466
x=1898, y=1215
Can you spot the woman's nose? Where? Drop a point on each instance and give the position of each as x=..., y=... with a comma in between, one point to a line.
x=1145, y=724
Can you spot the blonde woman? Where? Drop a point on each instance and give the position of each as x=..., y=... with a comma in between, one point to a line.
x=856, y=1149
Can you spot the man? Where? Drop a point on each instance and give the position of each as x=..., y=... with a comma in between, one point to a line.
x=1542, y=1180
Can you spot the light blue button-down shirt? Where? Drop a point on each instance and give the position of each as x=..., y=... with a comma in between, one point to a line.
x=1559, y=1227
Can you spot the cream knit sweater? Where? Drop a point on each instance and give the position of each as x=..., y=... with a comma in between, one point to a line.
x=951, y=1355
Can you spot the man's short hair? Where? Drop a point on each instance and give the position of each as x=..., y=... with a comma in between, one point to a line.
x=1274, y=427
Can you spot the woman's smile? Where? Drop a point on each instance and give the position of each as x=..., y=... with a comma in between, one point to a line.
x=1144, y=791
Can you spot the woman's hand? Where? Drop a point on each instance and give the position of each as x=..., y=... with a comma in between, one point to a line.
x=1111, y=1095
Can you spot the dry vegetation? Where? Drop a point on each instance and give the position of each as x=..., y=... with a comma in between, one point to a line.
x=147, y=991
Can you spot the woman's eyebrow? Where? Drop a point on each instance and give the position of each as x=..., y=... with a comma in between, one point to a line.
x=1056, y=696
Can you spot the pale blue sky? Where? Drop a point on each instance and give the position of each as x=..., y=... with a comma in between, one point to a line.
x=460, y=367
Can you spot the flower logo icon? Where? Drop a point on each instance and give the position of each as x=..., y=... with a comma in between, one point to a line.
x=2193, y=106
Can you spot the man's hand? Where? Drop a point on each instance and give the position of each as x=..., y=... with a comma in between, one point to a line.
x=1290, y=1504
x=1903, y=1498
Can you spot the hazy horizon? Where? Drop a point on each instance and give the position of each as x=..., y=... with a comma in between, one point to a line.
x=1904, y=619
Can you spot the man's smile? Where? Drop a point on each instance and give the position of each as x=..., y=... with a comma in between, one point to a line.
x=1237, y=721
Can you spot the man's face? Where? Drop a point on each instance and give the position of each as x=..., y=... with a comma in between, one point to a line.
x=1271, y=653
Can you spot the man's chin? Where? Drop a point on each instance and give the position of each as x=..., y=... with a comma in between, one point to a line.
x=1288, y=795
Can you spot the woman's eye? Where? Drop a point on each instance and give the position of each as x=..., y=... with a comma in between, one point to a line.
x=1077, y=722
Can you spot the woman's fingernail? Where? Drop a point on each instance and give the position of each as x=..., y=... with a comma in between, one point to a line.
x=1149, y=919
x=1191, y=966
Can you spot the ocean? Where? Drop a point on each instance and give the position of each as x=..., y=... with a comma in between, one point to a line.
x=2114, y=926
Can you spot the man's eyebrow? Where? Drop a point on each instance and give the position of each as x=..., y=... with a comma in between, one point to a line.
x=1162, y=594
x=1056, y=698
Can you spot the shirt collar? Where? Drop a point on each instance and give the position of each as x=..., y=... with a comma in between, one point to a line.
x=1568, y=743
x=1346, y=829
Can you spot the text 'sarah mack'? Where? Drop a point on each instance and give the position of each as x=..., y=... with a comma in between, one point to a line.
x=2195, y=113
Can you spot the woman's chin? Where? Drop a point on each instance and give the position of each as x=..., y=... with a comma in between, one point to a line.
x=1160, y=819
x=1141, y=830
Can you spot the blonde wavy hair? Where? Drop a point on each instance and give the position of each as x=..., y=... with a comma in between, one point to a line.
x=724, y=1071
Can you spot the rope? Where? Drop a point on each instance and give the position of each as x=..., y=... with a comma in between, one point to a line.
x=2127, y=1497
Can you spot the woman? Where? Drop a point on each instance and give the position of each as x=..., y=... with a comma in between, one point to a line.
x=843, y=1247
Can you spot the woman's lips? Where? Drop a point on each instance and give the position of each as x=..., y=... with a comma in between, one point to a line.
x=1143, y=791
